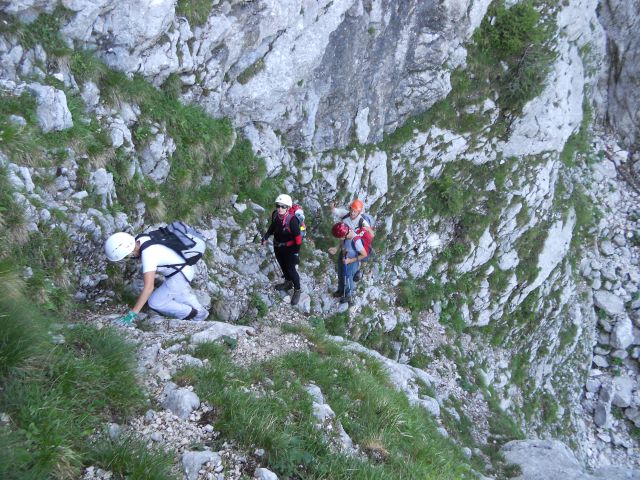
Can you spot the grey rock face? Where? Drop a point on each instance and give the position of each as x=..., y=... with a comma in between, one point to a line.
x=319, y=72
x=102, y=182
x=218, y=330
x=264, y=474
x=609, y=302
x=622, y=335
x=621, y=20
x=550, y=459
x=155, y=157
x=622, y=390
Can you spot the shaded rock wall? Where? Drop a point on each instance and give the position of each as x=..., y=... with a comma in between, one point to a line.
x=621, y=22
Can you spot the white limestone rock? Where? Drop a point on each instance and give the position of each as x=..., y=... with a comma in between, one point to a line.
x=622, y=334
x=610, y=303
x=181, y=402
x=155, y=157
x=192, y=462
x=52, y=110
x=219, y=329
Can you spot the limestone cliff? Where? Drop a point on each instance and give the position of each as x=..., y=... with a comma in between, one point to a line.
x=485, y=222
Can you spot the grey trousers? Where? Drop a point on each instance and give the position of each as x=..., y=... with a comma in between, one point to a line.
x=175, y=298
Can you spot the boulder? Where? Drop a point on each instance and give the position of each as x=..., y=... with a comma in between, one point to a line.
x=622, y=334
x=192, y=462
x=182, y=402
x=610, y=303
x=52, y=110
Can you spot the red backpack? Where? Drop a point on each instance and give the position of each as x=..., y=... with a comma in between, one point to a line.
x=365, y=236
x=296, y=210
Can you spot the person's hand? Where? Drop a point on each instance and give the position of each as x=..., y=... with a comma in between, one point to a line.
x=333, y=250
x=263, y=241
x=128, y=319
x=346, y=261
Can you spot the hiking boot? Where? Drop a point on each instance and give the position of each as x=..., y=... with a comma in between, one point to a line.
x=337, y=294
x=346, y=300
x=284, y=286
x=358, y=276
x=295, y=298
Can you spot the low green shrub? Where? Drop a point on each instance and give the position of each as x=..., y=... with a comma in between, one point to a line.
x=518, y=38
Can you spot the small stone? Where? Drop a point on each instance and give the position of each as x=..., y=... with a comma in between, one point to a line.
x=593, y=385
x=621, y=354
x=600, y=361
x=240, y=207
x=601, y=415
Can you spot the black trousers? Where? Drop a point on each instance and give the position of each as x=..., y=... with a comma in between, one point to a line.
x=288, y=261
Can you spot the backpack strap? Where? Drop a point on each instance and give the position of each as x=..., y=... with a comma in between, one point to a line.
x=360, y=222
x=286, y=223
x=177, y=267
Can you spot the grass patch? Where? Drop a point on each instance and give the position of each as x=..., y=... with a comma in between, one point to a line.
x=280, y=420
x=196, y=11
x=130, y=458
x=55, y=394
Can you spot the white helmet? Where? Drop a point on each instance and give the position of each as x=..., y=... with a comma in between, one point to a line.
x=119, y=245
x=284, y=199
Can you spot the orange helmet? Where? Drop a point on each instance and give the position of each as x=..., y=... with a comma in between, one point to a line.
x=357, y=205
x=340, y=230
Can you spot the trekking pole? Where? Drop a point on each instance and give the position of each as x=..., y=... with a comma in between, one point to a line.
x=272, y=256
x=344, y=269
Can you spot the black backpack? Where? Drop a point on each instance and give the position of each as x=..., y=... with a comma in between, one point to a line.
x=186, y=241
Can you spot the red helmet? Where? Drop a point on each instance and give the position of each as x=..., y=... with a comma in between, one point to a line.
x=357, y=205
x=340, y=230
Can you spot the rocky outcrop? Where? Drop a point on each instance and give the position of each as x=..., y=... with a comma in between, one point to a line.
x=316, y=76
x=320, y=73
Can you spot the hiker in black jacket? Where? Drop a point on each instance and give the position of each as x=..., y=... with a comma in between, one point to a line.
x=287, y=238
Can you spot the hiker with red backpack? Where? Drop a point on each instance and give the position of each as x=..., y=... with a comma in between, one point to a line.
x=356, y=219
x=287, y=228
x=171, y=251
x=355, y=247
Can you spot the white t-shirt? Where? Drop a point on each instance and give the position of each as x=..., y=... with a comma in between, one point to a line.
x=155, y=256
x=355, y=223
x=340, y=213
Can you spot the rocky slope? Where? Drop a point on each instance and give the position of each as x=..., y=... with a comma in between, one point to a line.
x=485, y=231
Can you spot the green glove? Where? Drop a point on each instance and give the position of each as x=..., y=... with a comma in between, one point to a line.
x=128, y=318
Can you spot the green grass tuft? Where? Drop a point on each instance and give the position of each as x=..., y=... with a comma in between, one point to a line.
x=56, y=394
x=131, y=458
x=280, y=420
